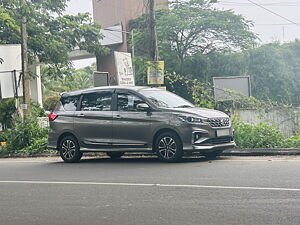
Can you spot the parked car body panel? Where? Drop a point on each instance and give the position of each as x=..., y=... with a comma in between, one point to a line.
x=124, y=127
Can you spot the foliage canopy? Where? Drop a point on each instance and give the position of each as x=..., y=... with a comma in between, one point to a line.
x=51, y=35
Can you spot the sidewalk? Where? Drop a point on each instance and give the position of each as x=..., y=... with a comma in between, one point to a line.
x=261, y=152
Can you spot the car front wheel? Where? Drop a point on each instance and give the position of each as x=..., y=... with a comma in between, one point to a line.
x=69, y=149
x=168, y=147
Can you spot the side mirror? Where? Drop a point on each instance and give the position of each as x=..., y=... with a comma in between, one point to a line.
x=143, y=107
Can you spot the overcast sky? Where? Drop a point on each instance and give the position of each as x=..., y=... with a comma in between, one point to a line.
x=268, y=26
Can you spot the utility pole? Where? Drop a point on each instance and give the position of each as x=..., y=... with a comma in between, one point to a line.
x=25, y=61
x=153, y=33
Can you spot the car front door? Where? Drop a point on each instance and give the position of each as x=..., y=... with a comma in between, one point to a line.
x=131, y=127
x=93, y=122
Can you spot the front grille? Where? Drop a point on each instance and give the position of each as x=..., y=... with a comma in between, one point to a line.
x=217, y=141
x=219, y=122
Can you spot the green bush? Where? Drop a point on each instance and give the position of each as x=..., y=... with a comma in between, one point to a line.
x=258, y=136
x=36, y=110
x=26, y=135
x=292, y=142
x=37, y=146
x=50, y=102
x=7, y=109
x=2, y=135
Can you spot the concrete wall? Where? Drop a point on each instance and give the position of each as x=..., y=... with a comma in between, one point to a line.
x=286, y=119
x=36, y=84
x=111, y=12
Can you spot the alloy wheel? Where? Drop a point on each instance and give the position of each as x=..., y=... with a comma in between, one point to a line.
x=167, y=147
x=68, y=149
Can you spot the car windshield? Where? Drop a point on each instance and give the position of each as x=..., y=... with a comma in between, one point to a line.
x=166, y=99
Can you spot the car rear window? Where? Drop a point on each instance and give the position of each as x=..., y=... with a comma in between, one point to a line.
x=70, y=103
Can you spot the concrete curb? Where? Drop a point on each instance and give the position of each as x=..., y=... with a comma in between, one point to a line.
x=228, y=152
x=261, y=152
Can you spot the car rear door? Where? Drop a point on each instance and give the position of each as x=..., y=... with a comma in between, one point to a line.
x=93, y=120
x=131, y=127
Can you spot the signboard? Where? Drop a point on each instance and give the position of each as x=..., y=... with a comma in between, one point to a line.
x=101, y=79
x=8, y=84
x=124, y=69
x=155, y=72
x=230, y=88
x=10, y=60
x=23, y=106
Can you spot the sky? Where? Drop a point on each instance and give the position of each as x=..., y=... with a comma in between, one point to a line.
x=267, y=26
x=78, y=6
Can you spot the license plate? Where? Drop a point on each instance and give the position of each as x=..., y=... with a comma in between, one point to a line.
x=223, y=132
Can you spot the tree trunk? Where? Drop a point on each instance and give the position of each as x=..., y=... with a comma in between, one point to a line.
x=25, y=61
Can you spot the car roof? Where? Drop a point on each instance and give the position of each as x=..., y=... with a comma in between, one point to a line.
x=133, y=88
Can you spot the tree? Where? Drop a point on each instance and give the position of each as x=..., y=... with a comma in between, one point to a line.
x=9, y=30
x=69, y=79
x=51, y=35
x=195, y=26
x=274, y=70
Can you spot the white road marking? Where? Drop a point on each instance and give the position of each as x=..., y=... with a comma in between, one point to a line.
x=258, y=160
x=31, y=160
x=148, y=185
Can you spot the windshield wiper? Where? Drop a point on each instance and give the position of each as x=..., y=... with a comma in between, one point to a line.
x=184, y=106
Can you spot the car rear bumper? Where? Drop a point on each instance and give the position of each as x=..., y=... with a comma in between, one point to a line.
x=52, y=141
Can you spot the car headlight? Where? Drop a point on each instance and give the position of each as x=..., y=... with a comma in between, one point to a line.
x=191, y=119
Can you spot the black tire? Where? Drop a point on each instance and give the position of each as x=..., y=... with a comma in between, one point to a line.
x=69, y=149
x=212, y=155
x=115, y=155
x=168, y=147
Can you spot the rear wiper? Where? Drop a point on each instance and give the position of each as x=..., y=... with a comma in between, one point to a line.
x=184, y=106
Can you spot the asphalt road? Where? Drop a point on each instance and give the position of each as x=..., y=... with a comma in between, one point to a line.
x=130, y=191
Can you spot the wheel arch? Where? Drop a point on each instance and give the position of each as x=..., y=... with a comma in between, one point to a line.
x=163, y=130
x=63, y=135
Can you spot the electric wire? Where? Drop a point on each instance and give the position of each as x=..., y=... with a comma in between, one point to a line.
x=282, y=17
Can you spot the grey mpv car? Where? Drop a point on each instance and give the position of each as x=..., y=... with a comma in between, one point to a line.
x=119, y=119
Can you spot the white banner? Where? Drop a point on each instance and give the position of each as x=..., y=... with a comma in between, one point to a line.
x=124, y=69
x=11, y=58
x=8, y=85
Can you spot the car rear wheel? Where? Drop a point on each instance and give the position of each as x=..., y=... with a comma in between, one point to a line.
x=115, y=155
x=69, y=149
x=168, y=147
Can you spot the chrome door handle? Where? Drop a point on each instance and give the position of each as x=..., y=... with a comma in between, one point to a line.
x=117, y=117
x=80, y=115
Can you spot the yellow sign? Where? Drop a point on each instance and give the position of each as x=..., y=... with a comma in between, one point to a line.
x=155, y=72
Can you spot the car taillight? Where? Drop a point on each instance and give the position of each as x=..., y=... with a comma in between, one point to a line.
x=52, y=116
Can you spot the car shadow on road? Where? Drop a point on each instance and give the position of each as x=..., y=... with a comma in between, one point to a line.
x=149, y=160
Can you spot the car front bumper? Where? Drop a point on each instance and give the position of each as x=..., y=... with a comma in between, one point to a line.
x=214, y=147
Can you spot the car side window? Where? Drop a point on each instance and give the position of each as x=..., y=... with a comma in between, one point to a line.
x=69, y=103
x=128, y=102
x=97, y=101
